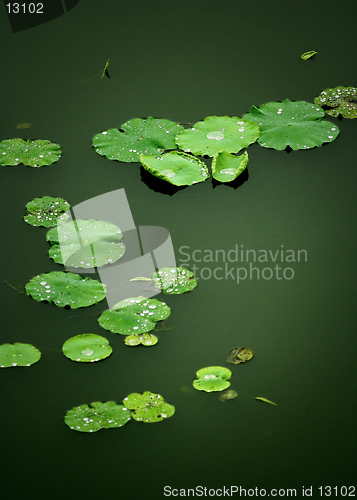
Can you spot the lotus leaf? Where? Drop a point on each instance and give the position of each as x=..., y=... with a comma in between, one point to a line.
x=86, y=243
x=125, y=323
x=174, y=280
x=97, y=416
x=152, y=309
x=30, y=153
x=137, y=136
x=266, y=401
x=66, y=289
x=308, y=55
x=239, y=355
x=227, y=167
x=339, y=100
x=46, y=211
x=212, y=378
x=145, y=339
x=228, y=394
x=218, y=133
x=87, y=347
x=294, y=124
x=18, y=355
x=148, y=407
x=176, y=167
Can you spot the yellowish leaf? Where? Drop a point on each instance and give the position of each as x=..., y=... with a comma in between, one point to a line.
x=266, y=401
x=23, y=125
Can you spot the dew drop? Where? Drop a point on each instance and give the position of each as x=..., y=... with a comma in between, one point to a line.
x=87, y=352
x=215, y=135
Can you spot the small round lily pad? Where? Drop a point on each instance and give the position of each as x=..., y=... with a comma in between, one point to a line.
x=152, y=309
x=212, y=378
x=145, y=339
x=97, y=416
x=18, y=354
x=148, y=407
x=31, y=153
x=87, y=347
x=239, y=355
x=228, y=394
x=46, y=211
x=125, y=323
x=174, y=280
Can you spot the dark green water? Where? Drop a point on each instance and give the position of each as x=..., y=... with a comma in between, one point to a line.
x=183, y=61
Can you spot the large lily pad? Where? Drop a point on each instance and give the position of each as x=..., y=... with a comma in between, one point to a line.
x=227, y=167
x=294, y=124
x=87, y=348
x=137, y=136
x=31, y=153
x=125, y=323
x=18, y=355
x=218, y=133
x=46, y=211
x=66, y=289
x=212, y=378
x=152, y=309
x=148, y=407
x=97, y=416
x=176, y=167
x=174, y=280
x=339, y=101
x=86, y=243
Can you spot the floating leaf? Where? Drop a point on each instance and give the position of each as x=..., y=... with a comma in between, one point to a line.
x=31, y=153
x=176, y=167
x=228, y=394
x=339, y=100
x=125, y=323
x=239, y=355
x=308, y=55
x=218, y=133
x=137, y=136
x=18, y=355
x=267, y=401
x=23, y=125
x=227, y=167
x=87, y=347
x=105, y=71
x=152, y=309
x=148, y=407
x=66, y=289
x=46, y=211
x=145, y=339
x=212, y=378
x=86, y=243
x=295, y=124
x=97, y=416
x=174, y=280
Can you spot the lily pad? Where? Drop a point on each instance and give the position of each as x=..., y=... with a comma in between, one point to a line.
x=212, y=378
x=176, y=167
x=227, y=167
x=46, y=211
x=266, y=401
x=148, y=407
x=66, y=289
x=218, y=133
x=97, y=416
x=137, y=136
x=125, y=323
x=239, y=355
x=31, y=153
x=86, y=243
x=87, y=348
x=174, y=280
x=152, y=309
x=18, y=355
x=145, y=339
x=228, y=394
x=294, y=124
x=339, y=100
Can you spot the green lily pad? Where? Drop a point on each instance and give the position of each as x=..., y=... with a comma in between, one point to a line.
x=145, y=339
x=294, y=124
x=218, y=133
x=46, y=211
x=148, y=407
x=176, y=167
x=125, y=323
x=152, y=309
x=97, y=416
x=228, y=394
x=31, y=153
x=308, y=55
x=86, y=243
x=66, y=289
x=227, y=167
x=239, y=355
x=87, y=348
x=212, y=378
x=174, y=280
x=339, y=100
x=18, y=355
x=137, y=136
